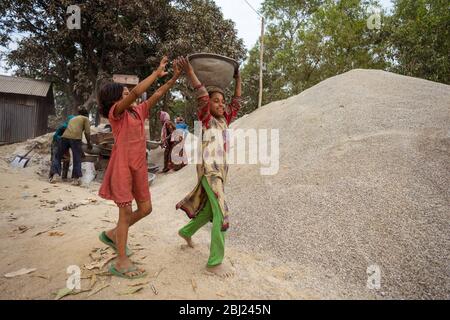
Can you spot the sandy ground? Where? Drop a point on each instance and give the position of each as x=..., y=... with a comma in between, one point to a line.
x=363, y=180
x=70, y=236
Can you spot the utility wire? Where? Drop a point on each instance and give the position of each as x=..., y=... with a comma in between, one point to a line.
x=252, y=8
x=261, y=55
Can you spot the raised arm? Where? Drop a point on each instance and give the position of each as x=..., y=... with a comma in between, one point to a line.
x=203, y=111
x=186, y=66
x=164, y=88
x=233, y=108
x=87, y=132
x=126, y=102
x=237, y=89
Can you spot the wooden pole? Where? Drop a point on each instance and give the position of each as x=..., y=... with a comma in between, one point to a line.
x=261, y=63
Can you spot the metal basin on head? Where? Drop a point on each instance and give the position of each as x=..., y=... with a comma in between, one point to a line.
x=213, y=69
x=151, y=178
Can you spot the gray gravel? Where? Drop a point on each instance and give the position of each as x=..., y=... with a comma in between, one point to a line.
x=364, y=179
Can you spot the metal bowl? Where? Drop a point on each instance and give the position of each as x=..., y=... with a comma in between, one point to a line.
x=95, y=149
x=213, y=69
x=151, y=178
x=151, y=145
x=105, y=150
x=90, y=158
x=153, y=168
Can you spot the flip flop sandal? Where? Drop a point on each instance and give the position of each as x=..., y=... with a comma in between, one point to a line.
x=122, y=273
x=104, y=238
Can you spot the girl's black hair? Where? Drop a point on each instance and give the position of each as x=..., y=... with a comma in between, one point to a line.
x=210, y=93
x=109, y=94
x=213, y=89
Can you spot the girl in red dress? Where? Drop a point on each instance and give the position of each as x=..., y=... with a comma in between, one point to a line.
x=126, y=177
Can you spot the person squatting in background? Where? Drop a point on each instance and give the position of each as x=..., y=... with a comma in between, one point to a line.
x=72, y=139
x=56, y=141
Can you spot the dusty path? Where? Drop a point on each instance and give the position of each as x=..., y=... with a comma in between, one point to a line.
x=29, y=202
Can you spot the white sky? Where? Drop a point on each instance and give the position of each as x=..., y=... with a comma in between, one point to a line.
x=248, y=24
x=247, y=21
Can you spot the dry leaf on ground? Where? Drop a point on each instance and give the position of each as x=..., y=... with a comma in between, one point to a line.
x=19, y=272
x=98, y=290
x=56, y=234
x=41, y=276
x=62, y=293
x=99, y=264
x=131, y=291
x=157, y=273
x=66, y=291
x=143, y=283
x=154, y=289
x=93, y=281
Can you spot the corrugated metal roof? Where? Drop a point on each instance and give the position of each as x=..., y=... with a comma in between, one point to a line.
x=126, y=78
x=25, y=86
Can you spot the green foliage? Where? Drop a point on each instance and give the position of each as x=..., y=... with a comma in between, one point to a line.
x=309, y=41
x=420, y=39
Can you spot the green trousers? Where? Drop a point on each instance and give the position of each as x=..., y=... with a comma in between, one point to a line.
x=211, y=211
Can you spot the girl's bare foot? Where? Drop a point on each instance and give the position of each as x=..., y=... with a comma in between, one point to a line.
x=188, y=240
x=221, y=271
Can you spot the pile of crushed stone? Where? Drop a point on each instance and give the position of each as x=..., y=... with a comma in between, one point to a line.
x=363, y=182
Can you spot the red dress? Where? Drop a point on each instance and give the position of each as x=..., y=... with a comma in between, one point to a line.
x=126, y=177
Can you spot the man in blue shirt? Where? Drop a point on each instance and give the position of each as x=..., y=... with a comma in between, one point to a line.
x=56, y=141
x=180, y=124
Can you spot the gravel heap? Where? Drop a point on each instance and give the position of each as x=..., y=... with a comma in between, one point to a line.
x=364, y=179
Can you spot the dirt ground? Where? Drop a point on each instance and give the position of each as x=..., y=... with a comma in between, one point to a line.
x=36, y=232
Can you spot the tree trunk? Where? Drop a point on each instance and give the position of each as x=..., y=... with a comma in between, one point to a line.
x=90, y=101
